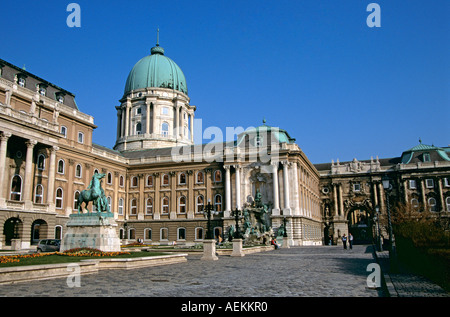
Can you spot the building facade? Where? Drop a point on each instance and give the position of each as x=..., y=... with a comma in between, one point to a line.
x=351, y=191
x=158, y=182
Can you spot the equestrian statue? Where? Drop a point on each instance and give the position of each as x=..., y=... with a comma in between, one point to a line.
x=95, y=194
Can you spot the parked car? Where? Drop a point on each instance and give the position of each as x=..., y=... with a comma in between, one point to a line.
x=49, y=245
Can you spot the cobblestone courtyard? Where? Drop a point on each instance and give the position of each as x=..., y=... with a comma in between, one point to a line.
x=298, y=271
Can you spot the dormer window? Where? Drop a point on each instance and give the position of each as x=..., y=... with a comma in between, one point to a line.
x=42, y=90
x=59, y=97
x=21, y=81
x=426, y=157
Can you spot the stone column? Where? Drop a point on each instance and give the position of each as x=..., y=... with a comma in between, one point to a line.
x=441, y=196
x=227, y=191
x=147, y=119
x=51, y=179
x=154, y=128
x=119, y=124
x=286, y=209
x=341, y=202
x=176, y=125
x=181, y=127
x=295, y=190
x=238, y=187
x=3, y=146
x=127, y=119
x=192, y=127
x=27, y=190
x=276, y=203
x=335, y=198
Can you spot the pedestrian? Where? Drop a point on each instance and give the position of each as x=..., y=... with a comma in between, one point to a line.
x=344, y=240
x=274, y=243
x=350, y=240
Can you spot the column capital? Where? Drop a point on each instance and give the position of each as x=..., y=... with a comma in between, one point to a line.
x=54, y=148
x=227, y=167
x=31, y=143
x=5, y=136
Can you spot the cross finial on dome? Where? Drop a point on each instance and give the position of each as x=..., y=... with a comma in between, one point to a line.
x=157, y=37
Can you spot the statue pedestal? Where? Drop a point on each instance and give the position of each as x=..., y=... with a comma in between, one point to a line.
x=209, y=250
x=237, y=248
x=286, y=243
x=95, y=230
x=16, y=244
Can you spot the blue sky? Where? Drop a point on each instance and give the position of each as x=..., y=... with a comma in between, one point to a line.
x=311, y=67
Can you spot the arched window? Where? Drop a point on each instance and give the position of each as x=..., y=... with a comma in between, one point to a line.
x=132, y=234
x=108, y=200
x=120, y=209
x=147, y=234
x=80, y=137
x=199, y=233
x=432, y=204
x=61, y=167
x=217, y=176
x=109, y=178
x=59, y=198
x=165, y=205
x=182, y=179
x=164, y=234
x=182, y=204
x=16, y=188
x=41, y=162
x=165, y=129
x=58, y=232
x=133, y=206
x=39, y=194
x=63, y=131
x=200, y=178
x=149, y=206
x=134, y=181
x=121, y=181
x=447, y=202
x=149, y=182
x=78, y=171
x=181, y=234
x=218, y=202
x=138, y=128
x=200, y=203
x=415, y=203
x=165, y=180
x=75, y=199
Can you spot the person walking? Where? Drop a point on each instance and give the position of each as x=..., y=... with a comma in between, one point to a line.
x=344, y=240
x=350, y=240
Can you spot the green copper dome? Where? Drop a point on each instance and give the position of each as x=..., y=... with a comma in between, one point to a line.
x=156, y=70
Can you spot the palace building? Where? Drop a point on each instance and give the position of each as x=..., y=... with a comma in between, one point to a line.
x=158, y=182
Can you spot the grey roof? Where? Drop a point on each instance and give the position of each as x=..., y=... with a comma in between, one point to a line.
x=9, y=72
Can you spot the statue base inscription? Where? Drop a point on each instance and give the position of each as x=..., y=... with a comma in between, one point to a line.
x=94, y=230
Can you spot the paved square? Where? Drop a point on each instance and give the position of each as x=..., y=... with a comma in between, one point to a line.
x=298, y=271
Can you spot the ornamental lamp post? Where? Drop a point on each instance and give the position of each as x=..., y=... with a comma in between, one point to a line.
x=392, y=254
x=209, y=209
x=237, y=214
x=378, y=232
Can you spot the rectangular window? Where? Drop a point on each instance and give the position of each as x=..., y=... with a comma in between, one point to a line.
x=429, y=183
x=412, y=184
x=357, y=187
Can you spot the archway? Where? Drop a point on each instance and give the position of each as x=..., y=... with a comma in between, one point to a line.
x=360, y=222
x=12, y=229
x=39, y=230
